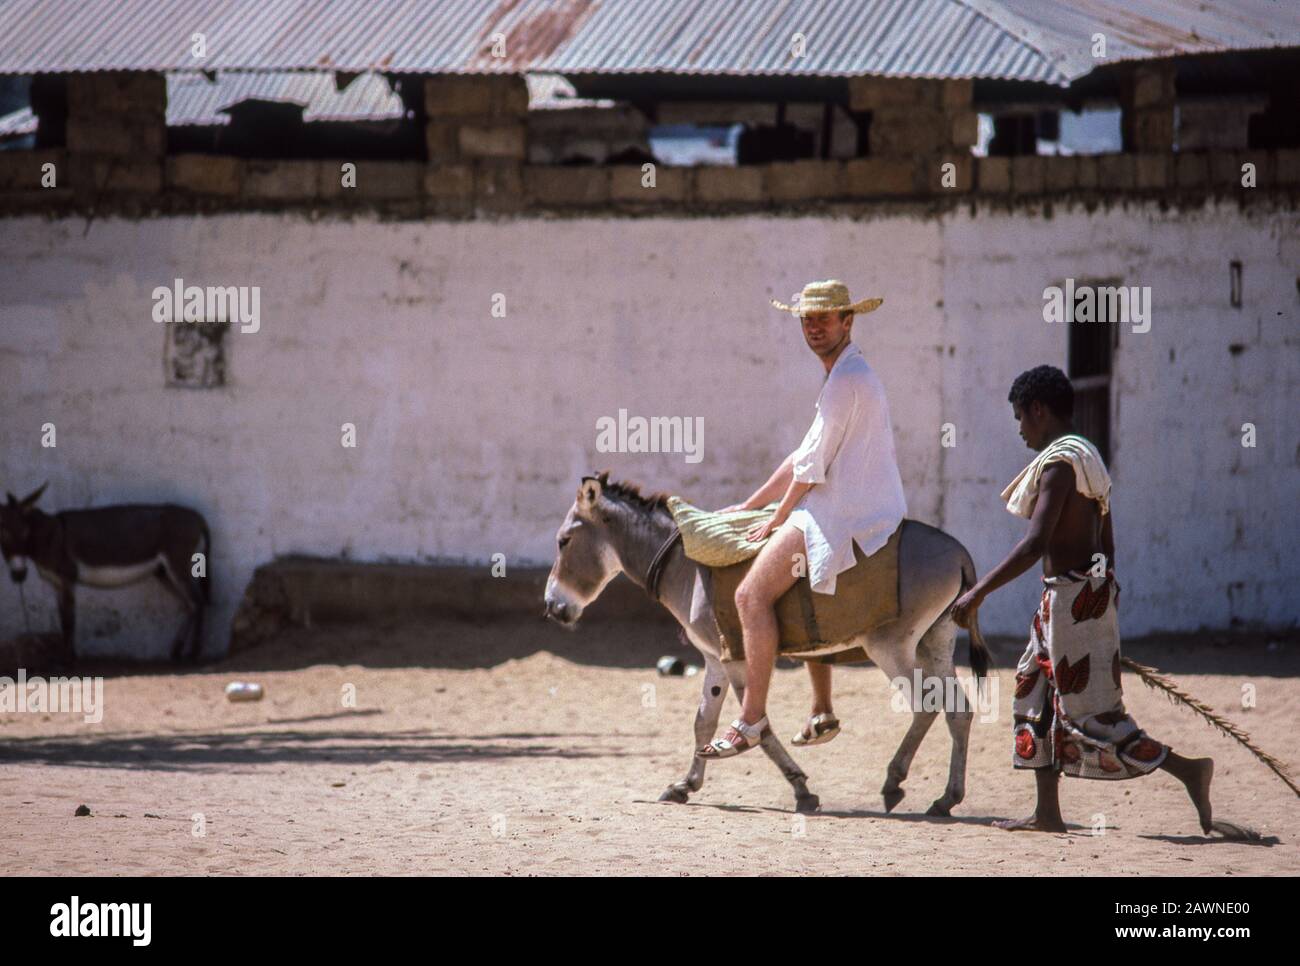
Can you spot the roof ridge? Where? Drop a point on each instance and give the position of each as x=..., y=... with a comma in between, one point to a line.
x=1027, y=33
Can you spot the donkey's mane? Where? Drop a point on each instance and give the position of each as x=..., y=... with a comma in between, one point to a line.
x=629, y=492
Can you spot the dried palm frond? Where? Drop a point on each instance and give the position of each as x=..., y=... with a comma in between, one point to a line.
x=1158, y=682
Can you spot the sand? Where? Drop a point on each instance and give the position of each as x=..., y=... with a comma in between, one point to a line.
x=456, y=758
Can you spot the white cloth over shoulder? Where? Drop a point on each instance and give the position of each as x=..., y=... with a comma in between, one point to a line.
x=1090, y=476
x=849, y=453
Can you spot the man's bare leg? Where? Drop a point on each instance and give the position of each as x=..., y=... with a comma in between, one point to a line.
x=1047, y=813
x=772, y=574
x=1195, y=774
x=821, y=685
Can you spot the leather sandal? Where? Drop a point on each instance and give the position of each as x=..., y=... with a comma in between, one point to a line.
x=750, y=736
x=820, y=729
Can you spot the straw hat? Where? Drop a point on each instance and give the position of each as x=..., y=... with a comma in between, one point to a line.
x=829, y=296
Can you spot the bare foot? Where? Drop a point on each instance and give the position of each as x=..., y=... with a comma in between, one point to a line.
x=1031, y=824
x=1198, y=789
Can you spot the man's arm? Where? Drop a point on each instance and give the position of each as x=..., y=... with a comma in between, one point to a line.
x=777, y=484
x=1054, y=489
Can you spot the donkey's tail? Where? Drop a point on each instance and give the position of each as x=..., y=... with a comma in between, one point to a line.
x=980, y=658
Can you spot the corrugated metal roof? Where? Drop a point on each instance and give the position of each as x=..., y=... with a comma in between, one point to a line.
x=1141, y=29
x=1031, y=40
x=20, y=123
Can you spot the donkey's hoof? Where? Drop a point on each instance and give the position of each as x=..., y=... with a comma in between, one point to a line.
x=807, y=804
x=939, y=808
x=892, y=798
x=676, y=794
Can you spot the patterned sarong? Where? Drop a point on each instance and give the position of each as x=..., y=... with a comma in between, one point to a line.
x=1069, y=706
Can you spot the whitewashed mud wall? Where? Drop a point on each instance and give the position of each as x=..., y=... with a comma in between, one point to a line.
x=472, y=430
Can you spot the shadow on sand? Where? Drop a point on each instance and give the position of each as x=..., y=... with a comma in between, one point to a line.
x=260, y=745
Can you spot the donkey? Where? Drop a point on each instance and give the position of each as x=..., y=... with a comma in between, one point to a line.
x=612, y=528
x=110, y=546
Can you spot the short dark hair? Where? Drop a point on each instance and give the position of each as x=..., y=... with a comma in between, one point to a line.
x=1045, y=384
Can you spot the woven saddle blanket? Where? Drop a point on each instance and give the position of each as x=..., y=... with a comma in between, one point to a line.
x=865, y=597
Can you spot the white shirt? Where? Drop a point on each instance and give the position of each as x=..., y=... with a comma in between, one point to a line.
x=849, y=453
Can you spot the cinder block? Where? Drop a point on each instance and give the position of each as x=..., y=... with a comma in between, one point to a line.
x=964, y=129
x=993, y=175
x=458, y=96
x=911, y=130
x=1191, y=170
x=1116, y=172
x=717, y=184
x=1149, y=130
x=442, y=141
x=1086, y=172
x=1152, y=172
x=572, y=185
x=1265, y=173
x=958, y=94
x=1028, y=175
x=1060, y=173
x=1149, y=85
x=1226, y=168
x=499, y=184
x=105, y=135
x=873, y=93
x=962, y=180
x=877, y=177
x=281, y=180
x=627, y=183
x=383, y=180
x=449, y=181
x=809, y=180
x=510, y=96
x=94, y=176
x=329, y=178
x=21, y=170
x=494, y=140
x=1286, y=167
x=204, y=174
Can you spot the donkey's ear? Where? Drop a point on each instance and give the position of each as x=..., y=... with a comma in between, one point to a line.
x=589, y=492
x=30, y=499
x=12, y=499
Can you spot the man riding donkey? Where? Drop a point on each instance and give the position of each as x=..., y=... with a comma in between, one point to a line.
x=840, y=486
x=1068, y=713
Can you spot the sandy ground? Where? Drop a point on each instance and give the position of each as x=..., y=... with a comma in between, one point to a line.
x=456, y=759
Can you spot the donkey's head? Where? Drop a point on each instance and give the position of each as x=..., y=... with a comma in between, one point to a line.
x=586, y=560
x=16, y=531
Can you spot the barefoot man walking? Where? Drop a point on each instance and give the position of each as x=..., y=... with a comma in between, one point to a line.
x=839, y=487
x=1068, y=713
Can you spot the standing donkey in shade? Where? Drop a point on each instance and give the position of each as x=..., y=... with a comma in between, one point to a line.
x=612, y=528
x=110, y=546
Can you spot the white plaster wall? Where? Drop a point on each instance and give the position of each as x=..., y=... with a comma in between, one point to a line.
x=1205, y=529
x=473, y=430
